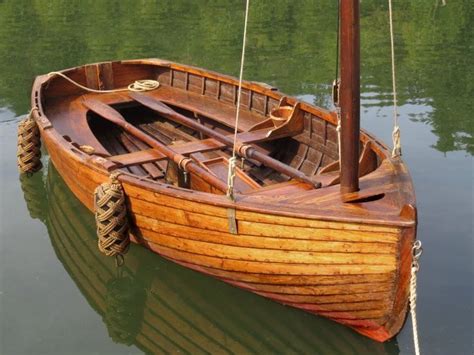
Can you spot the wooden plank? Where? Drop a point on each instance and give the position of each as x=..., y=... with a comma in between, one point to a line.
x=203, y=105
x=267, y=267
x=271, y=243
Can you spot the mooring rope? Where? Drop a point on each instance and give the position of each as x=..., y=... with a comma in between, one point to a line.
x=233, y=160
x=136, y=86
x=397, y=148
x=417, y=250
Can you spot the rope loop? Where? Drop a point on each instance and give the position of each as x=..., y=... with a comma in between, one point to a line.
x=144, y=85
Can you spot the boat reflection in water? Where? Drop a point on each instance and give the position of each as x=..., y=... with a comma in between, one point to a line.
x=162, y=307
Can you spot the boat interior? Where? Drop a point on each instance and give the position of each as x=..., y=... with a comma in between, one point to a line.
x=297, y=135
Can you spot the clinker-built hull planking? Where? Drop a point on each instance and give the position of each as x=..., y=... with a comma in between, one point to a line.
x=302, y=247
x=174, y=309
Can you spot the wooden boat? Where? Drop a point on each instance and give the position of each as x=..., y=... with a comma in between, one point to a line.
x=175, y=309
x=300, y=230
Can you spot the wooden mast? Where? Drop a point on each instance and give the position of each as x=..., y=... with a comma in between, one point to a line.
x=350, y=94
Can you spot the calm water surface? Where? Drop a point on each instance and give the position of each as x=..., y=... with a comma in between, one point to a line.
x=59, y=296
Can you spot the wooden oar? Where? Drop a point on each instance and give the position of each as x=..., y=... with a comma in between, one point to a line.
x=110, y=114
x=250, y=153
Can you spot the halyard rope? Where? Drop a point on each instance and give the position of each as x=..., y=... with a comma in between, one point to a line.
x=137, y=86
x=336, y=85
x=233, y=160
x=397, y=149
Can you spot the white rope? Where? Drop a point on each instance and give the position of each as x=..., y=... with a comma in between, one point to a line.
x=335, y=98
x=338, y=130
x=397, y=148
x=415, y=266
x=231, y=177
x=232, y=161
x=138, y=85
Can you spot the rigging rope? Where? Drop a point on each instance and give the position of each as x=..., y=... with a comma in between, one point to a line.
x=397, y=148
x=232, y=161
x=336, y=84
x=136, y=86
x=417, y=250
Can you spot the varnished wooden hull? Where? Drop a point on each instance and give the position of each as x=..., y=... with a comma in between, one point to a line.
x=349, y=263
x=170, y=308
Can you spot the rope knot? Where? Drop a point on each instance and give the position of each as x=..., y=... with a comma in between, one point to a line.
x=113, y=178
x=397, y=147
x=231, y=177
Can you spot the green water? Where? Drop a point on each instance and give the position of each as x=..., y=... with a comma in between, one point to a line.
x=59, y=296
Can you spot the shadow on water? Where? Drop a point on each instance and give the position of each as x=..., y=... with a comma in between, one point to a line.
x=162, y=307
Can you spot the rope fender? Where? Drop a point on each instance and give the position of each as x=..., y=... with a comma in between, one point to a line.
x=111, y=217
x=28, y=146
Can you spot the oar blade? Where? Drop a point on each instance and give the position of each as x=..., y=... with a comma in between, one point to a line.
x=152, y=103
x=104, y=110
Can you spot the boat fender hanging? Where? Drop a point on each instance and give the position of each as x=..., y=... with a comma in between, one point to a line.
x=28, y=146
x=111, y=217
